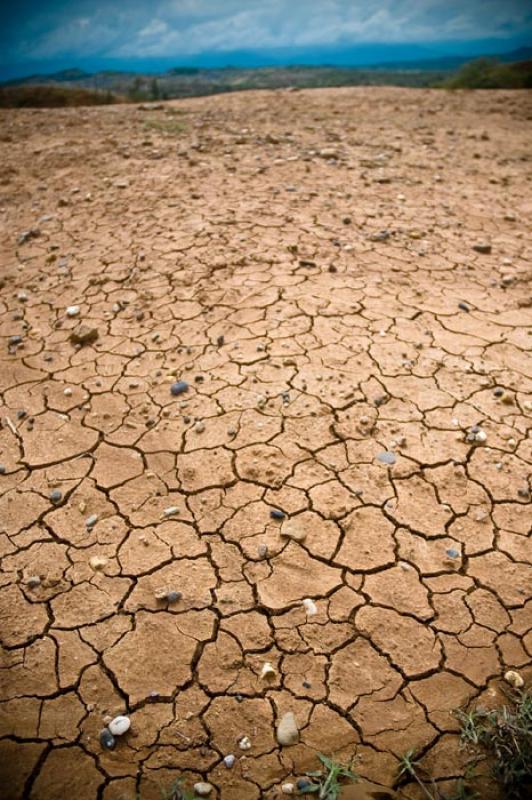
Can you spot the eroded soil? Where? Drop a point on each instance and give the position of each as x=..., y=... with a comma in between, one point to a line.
x=309, y=263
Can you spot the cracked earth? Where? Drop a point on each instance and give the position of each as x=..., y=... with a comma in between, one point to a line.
x=342, y=278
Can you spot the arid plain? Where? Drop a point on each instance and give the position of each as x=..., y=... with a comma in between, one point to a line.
x=337, y=285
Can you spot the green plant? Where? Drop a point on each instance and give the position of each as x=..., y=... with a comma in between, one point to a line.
x=505, y=734
x=168, y=126
x=408, y=767
x=327, y=785
x=176, y=791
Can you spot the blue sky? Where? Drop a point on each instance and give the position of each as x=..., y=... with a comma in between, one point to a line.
x=183, y=31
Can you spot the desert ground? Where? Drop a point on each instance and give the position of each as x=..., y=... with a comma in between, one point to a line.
x=311, y=303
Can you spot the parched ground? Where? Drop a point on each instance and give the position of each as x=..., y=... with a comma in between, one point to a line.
x=343, y=279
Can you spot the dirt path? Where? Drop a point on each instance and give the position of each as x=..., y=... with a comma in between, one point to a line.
x=342, y=278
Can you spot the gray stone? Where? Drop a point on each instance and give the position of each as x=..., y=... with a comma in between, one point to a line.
x=287, y=730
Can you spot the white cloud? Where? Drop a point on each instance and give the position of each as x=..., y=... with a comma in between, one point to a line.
x=185, y=27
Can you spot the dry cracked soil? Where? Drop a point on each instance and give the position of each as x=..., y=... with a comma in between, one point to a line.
x=342, y=279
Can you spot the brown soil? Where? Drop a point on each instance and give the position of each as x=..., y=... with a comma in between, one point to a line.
x=309, y=263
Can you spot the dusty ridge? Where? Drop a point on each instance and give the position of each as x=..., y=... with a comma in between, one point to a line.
x=343, y=279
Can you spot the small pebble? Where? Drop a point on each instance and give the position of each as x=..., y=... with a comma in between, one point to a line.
x=386, y=457
x=97, y=563
x=310, y=607
x=3, y=469
x=276, y=513
x=171, y=511
x=452, y=553
x=245, y=743
x=482, y=247
x=55, y=496
x=262, y=550
x=303, y=785
x=287, y=788
x=178, y=388
x=68, y=392
x=514, y=679
x=33, y=582
x=119, y=725
x=203, y=789
x=91, y=521
x=174, y=597
x=229, y=761
x=107, y=740
x=14, y=340
x=463, y=307
x=220, y=341
x=72, y=311
x=287, y=730
x=199, y=427
x=267, y=672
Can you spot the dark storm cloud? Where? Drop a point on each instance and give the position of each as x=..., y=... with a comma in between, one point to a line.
x=143, y=29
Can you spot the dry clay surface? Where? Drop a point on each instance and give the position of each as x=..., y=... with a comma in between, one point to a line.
x=342, y=278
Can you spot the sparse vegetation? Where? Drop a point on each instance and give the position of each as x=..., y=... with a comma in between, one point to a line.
x=505, y=734
x=54, y=97
x=326, y=783
x=410, y=768
x=176, y=791
x=171, y=127
x=488, y=73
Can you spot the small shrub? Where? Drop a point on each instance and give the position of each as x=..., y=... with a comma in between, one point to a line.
x=40, y=96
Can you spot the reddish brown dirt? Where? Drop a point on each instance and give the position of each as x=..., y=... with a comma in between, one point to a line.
x=259, y=218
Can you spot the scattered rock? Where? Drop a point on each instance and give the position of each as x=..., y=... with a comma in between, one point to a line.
x=119, y=725
x=84, y=334
x=72, y=311
x=463, y=307
x=514, y=679
x=107, y=740
x=267, y=672
x=179, y=387
x=174, y=597
x=3, y=469
x=287, y=788
x=245, y=743
x=386, y=457
x=310, y=607
x=171, y=511
x=203, y=789
x=97, y=563
x=33, y=582
x=91, y=521
x=55, y=496
x=229, y=761
x=276, y=513
x=13, y=341
x=287, y=730
x=482, y=247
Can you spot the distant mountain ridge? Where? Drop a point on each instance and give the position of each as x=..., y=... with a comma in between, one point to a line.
x=352, y=57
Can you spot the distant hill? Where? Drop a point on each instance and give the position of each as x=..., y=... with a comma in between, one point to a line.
x=510, y=70
x=363, y=57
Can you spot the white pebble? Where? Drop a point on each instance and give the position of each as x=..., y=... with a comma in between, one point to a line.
x=245, y=743
x=514, y=679
x=119, y=725
x=267, y=672
x=67, y=392
x=171, y=511
x=229, y=761
x=202, y=789
x=310, y=607
x=287, y=788
x=72, y=311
